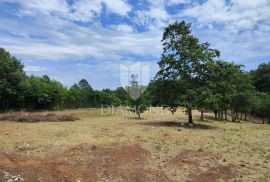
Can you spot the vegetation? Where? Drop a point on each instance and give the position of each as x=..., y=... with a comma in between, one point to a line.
x=11, y=81
x=138, y=102
x=19, y=91
x=191, y=75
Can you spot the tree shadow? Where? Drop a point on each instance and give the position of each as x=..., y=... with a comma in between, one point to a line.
x=176, y=124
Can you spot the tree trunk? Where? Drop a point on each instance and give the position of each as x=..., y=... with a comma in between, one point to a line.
x=234, y=115
x=215, y=114
x=237, y=119
x=190, y=120
x=139, y=116
x=226, y=115
x=202, y=118
x=221, y=116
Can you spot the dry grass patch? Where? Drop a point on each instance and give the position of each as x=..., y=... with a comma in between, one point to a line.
x=210, y=150
x=35, y=117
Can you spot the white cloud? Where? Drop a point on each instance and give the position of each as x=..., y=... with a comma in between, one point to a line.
x=228, y=26
x=120, y=7
x=245, y=48
x=236, y=15
x=30, y=7
x=123, y=28
x=80, y=10
x=33, y=69
x=62, y=40
x=154, y=17
x=240, y=29
x=174, y=2
x=85, y=10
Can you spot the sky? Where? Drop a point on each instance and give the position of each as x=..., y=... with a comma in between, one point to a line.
x=99, y=40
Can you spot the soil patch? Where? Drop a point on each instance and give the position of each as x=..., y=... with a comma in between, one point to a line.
x=204, y=166
x=87, y=163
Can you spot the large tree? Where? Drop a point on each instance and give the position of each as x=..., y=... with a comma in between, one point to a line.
x=183, y=67
x=11, y=81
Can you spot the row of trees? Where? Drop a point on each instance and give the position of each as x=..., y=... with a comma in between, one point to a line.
x=19, y=91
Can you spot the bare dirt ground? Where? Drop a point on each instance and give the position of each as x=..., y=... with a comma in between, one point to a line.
x=86, y=163
x=115, y=147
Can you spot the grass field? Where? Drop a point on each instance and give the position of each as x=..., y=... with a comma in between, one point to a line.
x=113, y=146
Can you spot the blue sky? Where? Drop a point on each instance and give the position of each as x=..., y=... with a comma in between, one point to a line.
x=74, y=39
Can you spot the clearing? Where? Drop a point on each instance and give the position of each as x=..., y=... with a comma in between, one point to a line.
x=105, y=146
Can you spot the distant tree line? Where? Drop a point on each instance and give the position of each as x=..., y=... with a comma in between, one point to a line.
x=191, y=75
x=21, y=92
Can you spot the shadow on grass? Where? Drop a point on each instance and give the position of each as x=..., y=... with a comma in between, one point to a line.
x=177, y=124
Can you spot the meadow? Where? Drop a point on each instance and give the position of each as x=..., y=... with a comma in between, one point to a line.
x=111, y=145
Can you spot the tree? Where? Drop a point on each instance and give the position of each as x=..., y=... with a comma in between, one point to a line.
x=184, y=62
x=138, y=104
x=204, y=100
x=73, y=98
x=261, y=106
x=261, y=77
x=138, y=108
x=242, y=99
x=109, y=98
x=44, y=93
x=11, y=82
x=223, y=82
x=123, y=95
x=86, y=93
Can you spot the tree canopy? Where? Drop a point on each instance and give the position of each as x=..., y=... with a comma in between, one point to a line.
x=184, y=66
x=11, y=81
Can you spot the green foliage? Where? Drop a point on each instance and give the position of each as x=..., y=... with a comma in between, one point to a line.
x=138, y=102
x=191, y=77
x=261, y=100
x=138, y=107
x=123, y=95
x=11, y=81
x=183, y=67
x=43, y=93
x=261, y=77
x=18, y=91
x=262, y=106
x=227, y=82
